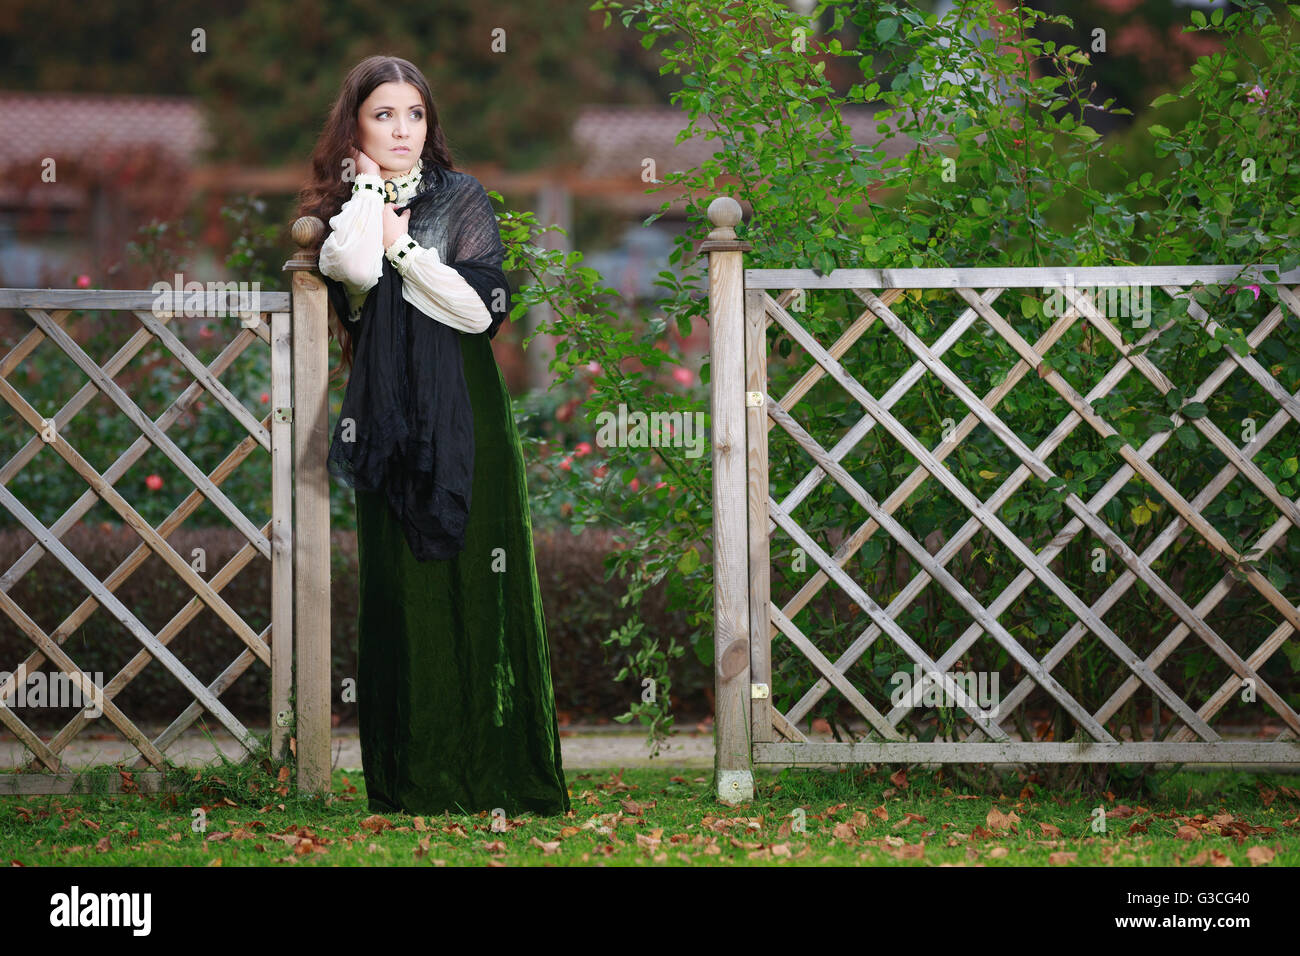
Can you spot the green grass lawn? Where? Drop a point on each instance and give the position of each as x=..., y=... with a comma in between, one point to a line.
x=669, y=817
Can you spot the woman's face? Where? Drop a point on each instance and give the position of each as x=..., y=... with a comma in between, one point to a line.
x=392, y=124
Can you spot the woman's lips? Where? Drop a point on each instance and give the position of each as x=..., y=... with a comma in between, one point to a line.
x=401, y=149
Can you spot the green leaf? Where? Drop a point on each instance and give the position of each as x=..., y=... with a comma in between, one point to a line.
x=1164, y=98
x=1234, y=507
x=980, y=206
x=1194, y=410
x=1140, y=514
x=1289, y=467
x=689, y=561
x=1158, y=131
x=886, y=29
x=1198, y=18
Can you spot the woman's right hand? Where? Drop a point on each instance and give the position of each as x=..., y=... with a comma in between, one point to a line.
x=365, y=165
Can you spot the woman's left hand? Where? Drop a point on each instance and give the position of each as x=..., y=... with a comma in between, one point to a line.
x=394, y=225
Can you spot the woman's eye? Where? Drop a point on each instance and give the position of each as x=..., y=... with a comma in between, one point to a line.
x=417, y=114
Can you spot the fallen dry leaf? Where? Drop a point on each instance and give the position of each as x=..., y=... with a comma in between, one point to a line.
x=1049, y=829
x=1062, y=857
x=1213, y=857
x=997, y=820
x=1259, y=855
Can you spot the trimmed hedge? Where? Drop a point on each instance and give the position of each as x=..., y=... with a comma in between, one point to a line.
x=581, y=607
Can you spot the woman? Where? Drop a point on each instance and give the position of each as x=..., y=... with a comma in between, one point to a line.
x=454, y=694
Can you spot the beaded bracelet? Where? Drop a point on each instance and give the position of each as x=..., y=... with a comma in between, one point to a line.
x=396, y=258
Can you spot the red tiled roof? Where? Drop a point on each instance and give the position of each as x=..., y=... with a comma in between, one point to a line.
x=36, y=125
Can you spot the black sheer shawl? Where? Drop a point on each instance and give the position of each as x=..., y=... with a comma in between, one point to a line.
x=406, y=426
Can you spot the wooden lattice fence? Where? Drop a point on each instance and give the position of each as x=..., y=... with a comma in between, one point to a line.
x=292, y=546
x=750, y=728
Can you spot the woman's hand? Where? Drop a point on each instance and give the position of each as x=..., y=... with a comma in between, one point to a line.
x=364, y=163
x=394, y=225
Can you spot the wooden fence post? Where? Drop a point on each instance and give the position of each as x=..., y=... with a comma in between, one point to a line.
x=732, y=766
x=281, y=533
x=311, y=504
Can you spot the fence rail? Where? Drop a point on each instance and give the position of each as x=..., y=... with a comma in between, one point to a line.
x=750, y=728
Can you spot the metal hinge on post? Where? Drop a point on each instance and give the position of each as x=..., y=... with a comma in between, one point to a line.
x=284, y=413
x=754, y=399
x=758, y=692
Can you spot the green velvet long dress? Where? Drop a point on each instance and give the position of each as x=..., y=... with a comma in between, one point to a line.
x=454, y=694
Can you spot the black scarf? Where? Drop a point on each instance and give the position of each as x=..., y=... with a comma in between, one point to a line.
x=406, y=394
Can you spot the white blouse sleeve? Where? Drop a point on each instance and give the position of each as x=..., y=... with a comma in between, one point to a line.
x=437, y=289
x=353, y=251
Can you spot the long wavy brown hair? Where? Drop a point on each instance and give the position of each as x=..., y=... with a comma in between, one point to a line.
x=326, y=192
